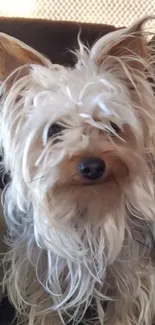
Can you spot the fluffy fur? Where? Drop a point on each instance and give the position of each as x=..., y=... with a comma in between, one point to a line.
x=81, y=253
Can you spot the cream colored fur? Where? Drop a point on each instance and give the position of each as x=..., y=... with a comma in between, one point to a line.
x=74, y=246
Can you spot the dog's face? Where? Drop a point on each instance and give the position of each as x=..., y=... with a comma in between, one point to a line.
x=79, y=134
x=86, y=146
x=75, y=143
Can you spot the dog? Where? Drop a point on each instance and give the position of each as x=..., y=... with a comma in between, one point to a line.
x=78, y=144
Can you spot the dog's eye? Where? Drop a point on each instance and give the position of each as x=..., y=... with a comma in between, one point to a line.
x=55, y=129
x=115, y=127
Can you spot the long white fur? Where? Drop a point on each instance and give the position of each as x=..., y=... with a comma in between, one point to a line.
x=61, y=263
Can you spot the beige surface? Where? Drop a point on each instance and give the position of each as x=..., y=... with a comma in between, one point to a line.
x=118, y=12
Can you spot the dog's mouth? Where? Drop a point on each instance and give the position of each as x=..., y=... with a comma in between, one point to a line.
x=91, y=184
x=105, y=179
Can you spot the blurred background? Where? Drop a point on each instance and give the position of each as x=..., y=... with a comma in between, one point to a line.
x=115, y=12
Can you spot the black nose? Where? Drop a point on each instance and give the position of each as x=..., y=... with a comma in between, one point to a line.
x=92, y=168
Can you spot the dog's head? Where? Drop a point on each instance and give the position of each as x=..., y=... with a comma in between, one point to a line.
x=76, y=143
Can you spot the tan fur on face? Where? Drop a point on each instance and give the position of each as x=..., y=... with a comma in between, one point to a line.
x=78, y=244
x=111, y=150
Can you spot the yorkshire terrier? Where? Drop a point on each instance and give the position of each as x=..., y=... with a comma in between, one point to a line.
x=79, y=146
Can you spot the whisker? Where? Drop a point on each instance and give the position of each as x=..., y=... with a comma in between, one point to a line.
x=35, y=179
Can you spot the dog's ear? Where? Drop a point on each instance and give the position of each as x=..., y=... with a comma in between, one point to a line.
x=14, y=53
x=128, y=44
